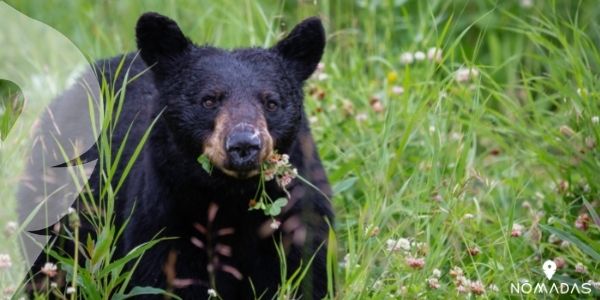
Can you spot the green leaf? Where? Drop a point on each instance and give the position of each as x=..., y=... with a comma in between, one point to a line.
x=563, y=235
x=281, y=202
x=205, y=162
x=344, y=185
x=274, y=210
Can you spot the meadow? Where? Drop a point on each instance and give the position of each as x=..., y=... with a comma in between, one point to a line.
x=460, y=137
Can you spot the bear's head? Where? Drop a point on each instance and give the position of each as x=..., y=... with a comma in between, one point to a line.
x=236, y=107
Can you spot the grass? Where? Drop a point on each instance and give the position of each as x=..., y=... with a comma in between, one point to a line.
x=453, y=167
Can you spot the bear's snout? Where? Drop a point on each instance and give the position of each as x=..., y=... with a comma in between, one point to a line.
x=243, y=146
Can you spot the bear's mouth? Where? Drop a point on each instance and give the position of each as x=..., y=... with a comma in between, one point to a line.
x=240, y=174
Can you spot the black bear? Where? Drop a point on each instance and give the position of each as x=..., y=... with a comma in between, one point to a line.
x=236, y=108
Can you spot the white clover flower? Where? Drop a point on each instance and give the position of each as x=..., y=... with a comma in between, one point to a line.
x=595, y=120
x=433, y=283
x=397, y=245
x=415, y=263
x=10, y=228
x=275, y=224
x=407, y=58
x=464, y=74
x=434, y=54
x=419, y=56
x=49, y=269
x=477, y=287
x=212, y=293
x=436, y=273
x=398, y=90
x=526, y=3
x=580, y=268
x=377, y=285
x=361, y=117
x=322, y=76
x=70, y=290
x=5, y=261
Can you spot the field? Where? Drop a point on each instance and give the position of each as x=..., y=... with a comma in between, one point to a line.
x=460, y=137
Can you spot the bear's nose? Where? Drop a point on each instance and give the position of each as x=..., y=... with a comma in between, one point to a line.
x=242, y=147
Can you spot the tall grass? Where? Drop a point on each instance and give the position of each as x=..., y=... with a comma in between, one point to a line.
x=492, y=175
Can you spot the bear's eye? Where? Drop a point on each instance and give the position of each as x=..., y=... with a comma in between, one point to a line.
x=209, y=102
x=272, y=105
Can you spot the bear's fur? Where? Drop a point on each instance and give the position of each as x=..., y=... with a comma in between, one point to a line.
x=169, y=194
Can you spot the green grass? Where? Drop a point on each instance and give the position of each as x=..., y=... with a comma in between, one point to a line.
x=451, y=166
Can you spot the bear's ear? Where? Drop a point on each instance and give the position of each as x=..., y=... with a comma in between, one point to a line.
x=303, y=47
x=160, y=40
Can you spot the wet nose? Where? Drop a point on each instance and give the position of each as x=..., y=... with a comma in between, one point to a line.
x=243, y=146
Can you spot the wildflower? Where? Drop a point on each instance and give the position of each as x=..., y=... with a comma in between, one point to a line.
x=398, y=90
x=346, y=260
x=517, y=230
x=70, y=290
x=376, y=104
x=322, y=76
x=590, y=142
x=465, y=74
x=468, y=216
x=377, y=284
x=53, y=285
x=212, y=293
x=8, y=291
x=278, y=166
x=10, y=228
x=434, y=54
x=462, y=280
x=565, y=244
x=433, y=283
x=419, y=56
x=361, y=117
x=415, y=263
x=473, y=251
x=436, y=273
x=526, y=205
x=554, y=239
x=397, y=245
x=595, y=284
x=392, y=76
x=372, y=231
x=275, y=224
x=526, y=3
x=407, y=58
x=595, y=120
x=456, y=272
x=49, y=269
x=461, y=289
x=560, y=262
x=347, y=107
x=582, y=222
x=494, y=288
x=580, y=268
x=477, y=287
x=5, y=261
x=566, y=131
